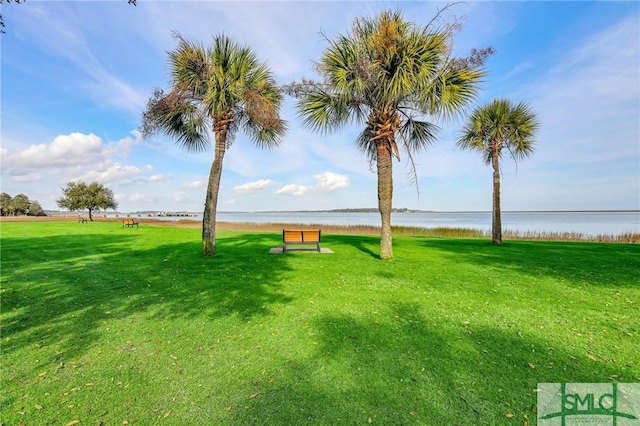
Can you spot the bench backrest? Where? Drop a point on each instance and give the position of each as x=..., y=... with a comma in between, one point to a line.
x=128, y=221
x=311, y=236
x=289, y=236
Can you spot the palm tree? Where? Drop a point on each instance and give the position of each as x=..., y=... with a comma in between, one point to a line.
x=388, y=75
x=222, y=89
x=492, y=128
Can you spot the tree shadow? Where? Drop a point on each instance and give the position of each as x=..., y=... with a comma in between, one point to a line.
x=408, y=368
x=404, y=364
x=363, y=243
x=576, y=263
x=76, y=282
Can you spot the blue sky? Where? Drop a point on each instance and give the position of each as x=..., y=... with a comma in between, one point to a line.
x=76, y=76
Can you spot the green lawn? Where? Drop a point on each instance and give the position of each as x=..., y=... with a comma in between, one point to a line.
x=106, y=325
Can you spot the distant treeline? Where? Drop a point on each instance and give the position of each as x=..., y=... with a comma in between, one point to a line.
x=372, y=210
x=19, y=205
x=358, y=210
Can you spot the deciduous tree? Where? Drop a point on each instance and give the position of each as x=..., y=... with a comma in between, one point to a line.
x=20, y=204
x=35, y=209
x=5, y=204
x=92, y=197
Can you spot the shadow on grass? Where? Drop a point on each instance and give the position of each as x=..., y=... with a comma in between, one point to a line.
x=61, y=288
x=576, y=263
x=366, y=244
x=407, y=368
x=403, y=364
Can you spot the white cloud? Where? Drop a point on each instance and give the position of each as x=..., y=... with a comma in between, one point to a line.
x=71, y=157
x=293, y=189
x=196, y=184
x=109, y=173
x=250, y=187
x=325, y=182
x=123, y=146
x=66, y=150
x=25, y=176
x=329, y=181
x=160, y=178
x=180, y=197
x=138, y=197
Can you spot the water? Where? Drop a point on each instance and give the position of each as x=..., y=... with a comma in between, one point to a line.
x=588, y=223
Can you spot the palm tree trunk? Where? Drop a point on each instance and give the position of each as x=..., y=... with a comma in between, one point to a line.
x=496, y=222
x=385, y=198
x=211, y=202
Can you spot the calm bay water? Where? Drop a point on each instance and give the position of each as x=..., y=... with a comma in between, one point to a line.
x=588, y=223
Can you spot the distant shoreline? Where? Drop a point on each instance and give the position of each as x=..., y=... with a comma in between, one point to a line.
x=436, y=211
x=356, y=211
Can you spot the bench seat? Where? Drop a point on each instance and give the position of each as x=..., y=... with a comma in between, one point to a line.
x=300, y=237
x=130, y=223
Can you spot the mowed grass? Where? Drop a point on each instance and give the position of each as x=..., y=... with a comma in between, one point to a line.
x=103, y=325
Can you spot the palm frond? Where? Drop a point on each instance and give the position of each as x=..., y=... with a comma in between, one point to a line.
x=366, y=146
x=413, y=173
x=325, y=112
x=259, y=110
x=417, y=135
x=451, y=91
x=523, y=132
x=189, y=67
x=174, y=115
x=262, y=123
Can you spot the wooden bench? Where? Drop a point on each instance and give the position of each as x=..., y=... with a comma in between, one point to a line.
x=290, y=237
x=82, y=219
x=129, y=223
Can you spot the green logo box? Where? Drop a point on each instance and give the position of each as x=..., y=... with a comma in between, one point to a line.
x=588, y=404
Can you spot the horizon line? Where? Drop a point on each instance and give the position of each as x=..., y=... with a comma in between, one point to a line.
x=375, y=210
